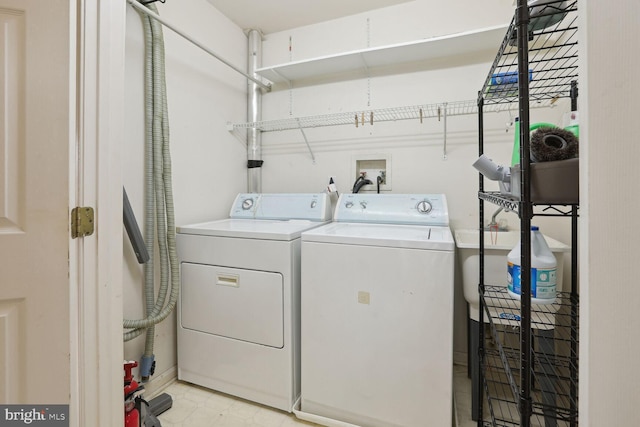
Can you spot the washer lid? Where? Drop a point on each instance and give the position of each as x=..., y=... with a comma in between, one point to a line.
x=251, y=228
x=385, y=235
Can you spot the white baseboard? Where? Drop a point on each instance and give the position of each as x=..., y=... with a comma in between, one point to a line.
x=159, y=382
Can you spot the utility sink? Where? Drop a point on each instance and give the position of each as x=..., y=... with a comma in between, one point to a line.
x=496, y=247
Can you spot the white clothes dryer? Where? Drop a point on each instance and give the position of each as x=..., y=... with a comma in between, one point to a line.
x=239, y=305
x=377, y=313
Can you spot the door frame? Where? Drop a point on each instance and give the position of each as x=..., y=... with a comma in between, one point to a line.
x=95, y=262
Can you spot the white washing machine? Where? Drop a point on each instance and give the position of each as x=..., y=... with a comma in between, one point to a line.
x=377, y=313
x=239, y=306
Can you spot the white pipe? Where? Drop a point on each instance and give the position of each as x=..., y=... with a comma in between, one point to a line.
x=254, y=113
x=157, y=17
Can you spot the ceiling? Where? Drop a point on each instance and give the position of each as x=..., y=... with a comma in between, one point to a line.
x=271, y=16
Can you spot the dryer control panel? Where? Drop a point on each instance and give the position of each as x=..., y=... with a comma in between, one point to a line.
x=282, y=206
x=418, y=209
x=244, y=206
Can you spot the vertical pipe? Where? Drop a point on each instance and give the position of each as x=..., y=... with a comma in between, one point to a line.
x=254, y=114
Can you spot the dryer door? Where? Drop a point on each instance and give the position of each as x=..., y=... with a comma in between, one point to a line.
x=246, y=305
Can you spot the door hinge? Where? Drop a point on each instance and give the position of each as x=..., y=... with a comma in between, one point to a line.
x=81, y=222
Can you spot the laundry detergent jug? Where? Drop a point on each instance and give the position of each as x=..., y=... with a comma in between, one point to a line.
x=543, y=270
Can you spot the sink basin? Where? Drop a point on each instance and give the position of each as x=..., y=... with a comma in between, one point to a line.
x=496, y=247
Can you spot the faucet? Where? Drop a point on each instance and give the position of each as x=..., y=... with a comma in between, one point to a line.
x=493, y=225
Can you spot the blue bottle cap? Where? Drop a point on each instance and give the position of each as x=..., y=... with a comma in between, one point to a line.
x=534, y=228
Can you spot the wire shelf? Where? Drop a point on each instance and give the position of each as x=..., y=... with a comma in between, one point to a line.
x=497, y=198
x=553, y=59
x=369, y=117
x=510, y=204
x=555, y=343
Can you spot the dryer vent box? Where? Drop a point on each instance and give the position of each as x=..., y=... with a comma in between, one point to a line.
x=373, y=166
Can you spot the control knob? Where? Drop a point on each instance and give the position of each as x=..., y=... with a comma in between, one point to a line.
x=424, y=207
x=247, y=204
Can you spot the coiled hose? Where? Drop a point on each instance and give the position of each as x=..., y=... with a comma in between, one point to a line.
x=159, y=208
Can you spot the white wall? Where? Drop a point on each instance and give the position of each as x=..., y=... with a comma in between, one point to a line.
x=203, y=95
x=416, y=150
x=209, y=164
x=610, y=297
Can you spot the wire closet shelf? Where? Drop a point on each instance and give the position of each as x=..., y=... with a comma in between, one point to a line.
x=553, y=60
x=369, y=117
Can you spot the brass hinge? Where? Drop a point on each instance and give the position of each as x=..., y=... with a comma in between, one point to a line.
x=81, y=222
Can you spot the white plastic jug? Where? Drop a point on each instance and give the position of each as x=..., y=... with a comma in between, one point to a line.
x=543, y=270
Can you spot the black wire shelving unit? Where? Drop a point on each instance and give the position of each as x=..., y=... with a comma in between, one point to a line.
x=553, y=370
x=528, y=361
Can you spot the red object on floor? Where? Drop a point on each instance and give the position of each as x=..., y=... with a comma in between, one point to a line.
x=131, y=414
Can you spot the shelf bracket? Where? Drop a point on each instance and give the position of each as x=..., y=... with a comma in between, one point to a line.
x=282, y=77
x=306, y=141
x=444, y=142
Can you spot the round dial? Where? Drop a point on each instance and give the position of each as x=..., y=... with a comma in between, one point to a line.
x=348, y=205
x=313, y=204
x=424, y=207
x=247, y=204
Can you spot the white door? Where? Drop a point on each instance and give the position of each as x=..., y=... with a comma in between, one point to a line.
x=34, y=198
x=61, y=65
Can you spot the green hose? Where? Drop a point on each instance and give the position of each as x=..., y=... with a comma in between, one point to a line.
x=159, y=208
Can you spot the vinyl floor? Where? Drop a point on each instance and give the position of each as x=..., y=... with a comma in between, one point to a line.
x=195, y=406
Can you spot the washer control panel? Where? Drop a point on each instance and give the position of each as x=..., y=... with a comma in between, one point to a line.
x=424, y=206
x=421, y=209
x=282, y=206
